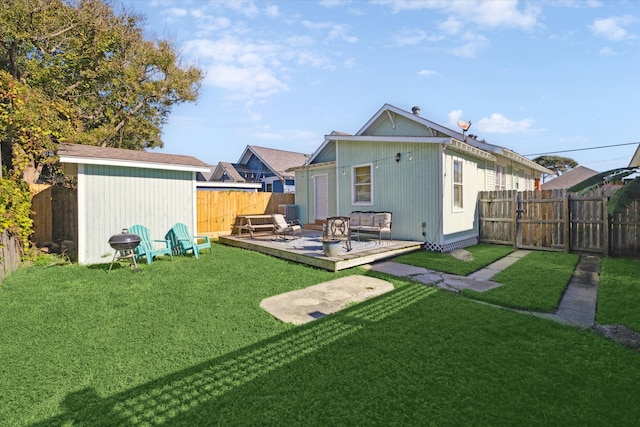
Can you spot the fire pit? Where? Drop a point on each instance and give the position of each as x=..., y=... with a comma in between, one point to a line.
x=124, y=245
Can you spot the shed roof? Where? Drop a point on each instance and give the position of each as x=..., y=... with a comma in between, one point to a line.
x=89, y=154
x=570, y=178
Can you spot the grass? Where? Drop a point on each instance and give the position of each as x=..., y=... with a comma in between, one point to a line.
x=483, y=255
x=186, y=343
x=535, y=282
x=619, y=293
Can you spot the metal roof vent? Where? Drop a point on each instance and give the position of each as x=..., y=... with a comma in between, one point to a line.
x=415, y=110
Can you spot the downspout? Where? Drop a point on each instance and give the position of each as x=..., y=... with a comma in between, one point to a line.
x=337, y=175
x=441, y=190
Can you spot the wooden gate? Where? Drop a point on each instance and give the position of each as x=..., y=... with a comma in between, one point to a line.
x=557, y=221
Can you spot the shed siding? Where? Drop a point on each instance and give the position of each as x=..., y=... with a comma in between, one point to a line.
x=399, y=127
x=407, y=188
x=328, y=154
x=118, y=197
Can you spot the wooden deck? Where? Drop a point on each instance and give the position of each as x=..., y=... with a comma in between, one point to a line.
x=308, y=249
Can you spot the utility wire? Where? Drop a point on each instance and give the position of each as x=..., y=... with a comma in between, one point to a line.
x=582, y=149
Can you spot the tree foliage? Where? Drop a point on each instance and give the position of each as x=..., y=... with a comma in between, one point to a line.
x=557, y=164
x=628, y=193
x=91, y=72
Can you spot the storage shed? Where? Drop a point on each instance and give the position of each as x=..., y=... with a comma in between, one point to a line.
x=117, y=188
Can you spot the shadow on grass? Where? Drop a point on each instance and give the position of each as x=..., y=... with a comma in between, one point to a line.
x=177, y=394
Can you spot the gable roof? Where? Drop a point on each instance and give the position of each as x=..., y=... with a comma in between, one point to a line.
x=570, y=178
x=228, y=169
x=279, y=161
x=89, y=154
x=436, y=134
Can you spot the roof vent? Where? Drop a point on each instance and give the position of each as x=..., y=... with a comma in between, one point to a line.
x=415, y=110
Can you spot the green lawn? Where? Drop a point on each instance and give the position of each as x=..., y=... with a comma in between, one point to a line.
x=535, y=282
x=619, y=293
x=483, y=255
x=186, y=343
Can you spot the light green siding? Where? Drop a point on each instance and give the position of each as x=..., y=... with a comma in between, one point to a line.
x=115, y=197
x=399, y=127
x=305, y=191
x=462, y=221
x=409, y=188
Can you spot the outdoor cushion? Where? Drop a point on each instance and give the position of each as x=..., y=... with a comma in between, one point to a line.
x=366, y=220
x=354, y=219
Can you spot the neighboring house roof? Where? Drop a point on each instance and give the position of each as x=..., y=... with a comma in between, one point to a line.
x=206, y=176
x=570, y=178
x=228, y=169
x=279, y=161
x=89, y=154
x=437, y=134
x=635, y=159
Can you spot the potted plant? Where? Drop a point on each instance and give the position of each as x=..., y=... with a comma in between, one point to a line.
x=330, y=246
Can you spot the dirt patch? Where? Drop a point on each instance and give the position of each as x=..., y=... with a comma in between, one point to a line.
x=462, y=255
x=621, y=334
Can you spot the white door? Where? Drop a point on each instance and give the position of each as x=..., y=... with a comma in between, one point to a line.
x=321, y=187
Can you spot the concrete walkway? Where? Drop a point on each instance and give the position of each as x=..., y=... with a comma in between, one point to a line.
x=577, y=306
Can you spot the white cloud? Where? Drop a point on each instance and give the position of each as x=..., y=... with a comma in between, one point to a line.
x=454, y=116
x=272, y=11
x=472, y=44
x=427, y=73
x=485, y=13
x=498, y=123
x=450, y=26
x=247, y=69
x=607, y=51
x=409, y=37
x=340, y=32
x=613, y=28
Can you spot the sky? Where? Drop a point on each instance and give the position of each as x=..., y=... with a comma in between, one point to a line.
x=536, y=77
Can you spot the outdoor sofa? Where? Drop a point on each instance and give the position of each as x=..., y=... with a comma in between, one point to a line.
x=370, y=222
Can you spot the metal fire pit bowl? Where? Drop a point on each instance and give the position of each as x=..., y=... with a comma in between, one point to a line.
x=124, y=244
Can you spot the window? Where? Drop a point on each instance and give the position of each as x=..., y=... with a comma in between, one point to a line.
x=501, y=177
x=457, y=184
x=269, y=187
x=362, y=185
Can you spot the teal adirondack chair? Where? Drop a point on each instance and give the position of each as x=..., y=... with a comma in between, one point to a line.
x=182, y=241
x=148, y=247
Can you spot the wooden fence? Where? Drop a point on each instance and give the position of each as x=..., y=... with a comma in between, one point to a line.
x=557, y=220
x=11, y=251
x=217, y=210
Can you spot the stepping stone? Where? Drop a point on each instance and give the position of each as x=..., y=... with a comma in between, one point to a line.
x=304, y=305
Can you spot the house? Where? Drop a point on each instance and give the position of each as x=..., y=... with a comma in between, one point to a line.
x=267, y=166
x=427, y=175
x=206, y=181
x=569, y=178
x=635, y=159
x=117, y=188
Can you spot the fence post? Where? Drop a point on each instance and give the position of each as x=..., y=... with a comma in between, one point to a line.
x=516, y=200
x=567, y=223
x=605, y=227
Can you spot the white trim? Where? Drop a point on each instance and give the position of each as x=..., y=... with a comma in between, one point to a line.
x=455, y=208
x=194, y=199
x=376, y=138
x=353, y=185
x=82, y=222
x=132, y=164
x=230, y=185
x=440, y=237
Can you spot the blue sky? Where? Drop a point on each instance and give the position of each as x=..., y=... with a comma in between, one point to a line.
x=535, y=77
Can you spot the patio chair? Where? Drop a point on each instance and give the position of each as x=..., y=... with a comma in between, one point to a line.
x=283, y=227
x=147, y=247
x=182, y=241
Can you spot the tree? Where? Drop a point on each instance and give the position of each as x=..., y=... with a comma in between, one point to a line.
x=116, y=88
x=557, y=164
x=628, y=193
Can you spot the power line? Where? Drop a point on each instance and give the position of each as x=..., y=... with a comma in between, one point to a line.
x=582, y=149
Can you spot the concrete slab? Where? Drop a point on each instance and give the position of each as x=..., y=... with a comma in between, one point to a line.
x=304, y=305
x=475, y=285
x=396, y=268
